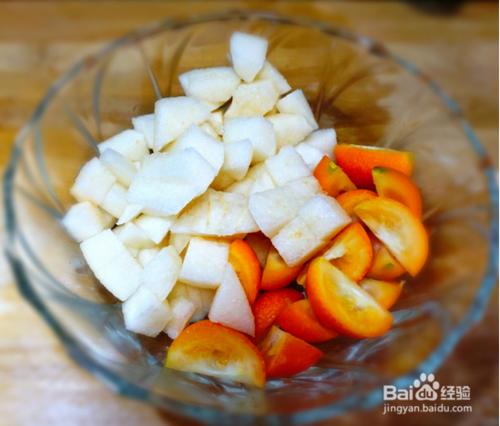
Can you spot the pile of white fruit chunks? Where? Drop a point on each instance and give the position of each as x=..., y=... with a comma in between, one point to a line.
x=158, y=209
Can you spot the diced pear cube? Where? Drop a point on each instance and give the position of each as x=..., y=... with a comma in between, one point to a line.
x=208, y=129
x=249, y=99
x=174, y=115
x=318, y=220
x=146, y=125
x=208, y=147
x=144, y=256
x=84, y=220
x=115, y=200
x=296, y=103
x=119, y=165
x=130, y=143
x=216, y=214
x=160, y=273
x=230, y=306
x=93, y=182
x=215, y=84
x=202, y=299
x=179, y=241
x=323, y=140
x=144, y=314
x=269, y=72
x=204, y=263
x=274, y=208
x=216, y=120
x=133, y=236
x=182, y=310
x=237, y=158
x=311, y=156
x=286, y=166
x=257, y=129
x=248, y=53
x=290, y=129
x=262, y=179
x=130, y=212
x=166, y=182
x=112, y=264
x=155, y=227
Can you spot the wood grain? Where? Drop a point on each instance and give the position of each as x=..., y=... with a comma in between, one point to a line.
x=40, y=40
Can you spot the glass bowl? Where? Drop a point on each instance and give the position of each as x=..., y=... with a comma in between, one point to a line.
x=355, y=85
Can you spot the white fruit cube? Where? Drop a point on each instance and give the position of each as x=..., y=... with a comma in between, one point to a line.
x=257, y=98
x=115, y=200
x=144, y=314
x=154, y=227
x=145, y=124
x=208, y=147
x=130, y=212
x=248, y=53
x=296, y=103
x=311, y=156
x=208, y=129
x=93, y=182
x=286, y=166
x=144, y=256
x=290, y=129
x=230, y=306
x=202, y=299
x=323, y=140
x=179, y=241
x=318, y=220
x=130, y=143
x=84, y=220
x=160, y=273
x=257, y=129
x=133, y=236
x=174, y=115
x=222, y=181
x=166, y=182
x=262, y=179
x=119, y=165
x=182, y=310
x=274, y=208
x=237, y=158
x=210, y=84
x=204, y=263
x=216, y=120
x=269, y=72
x=216, y=214
x=112, y=264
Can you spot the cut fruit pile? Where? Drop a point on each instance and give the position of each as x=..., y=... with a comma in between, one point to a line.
x=216, y=203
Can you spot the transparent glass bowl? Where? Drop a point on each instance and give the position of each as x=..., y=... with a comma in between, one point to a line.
x=354, y=85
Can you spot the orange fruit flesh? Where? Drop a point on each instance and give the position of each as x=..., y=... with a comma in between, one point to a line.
x=399, y=229
x=214, y=350
x=247, y=267
x=348, y=200
x=386, y=293
x=340, y=304
x=286, y=355
x=331, y=177
x=299, y=320
x=357, y=161
x=384, y=266
x=277, y=274
x=351, y=251
x=269, y=305
x=398, y=186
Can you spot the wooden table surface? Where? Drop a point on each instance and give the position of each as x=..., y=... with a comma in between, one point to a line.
x=39, y=384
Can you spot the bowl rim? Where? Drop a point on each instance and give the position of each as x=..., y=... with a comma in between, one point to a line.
x=214, y=415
